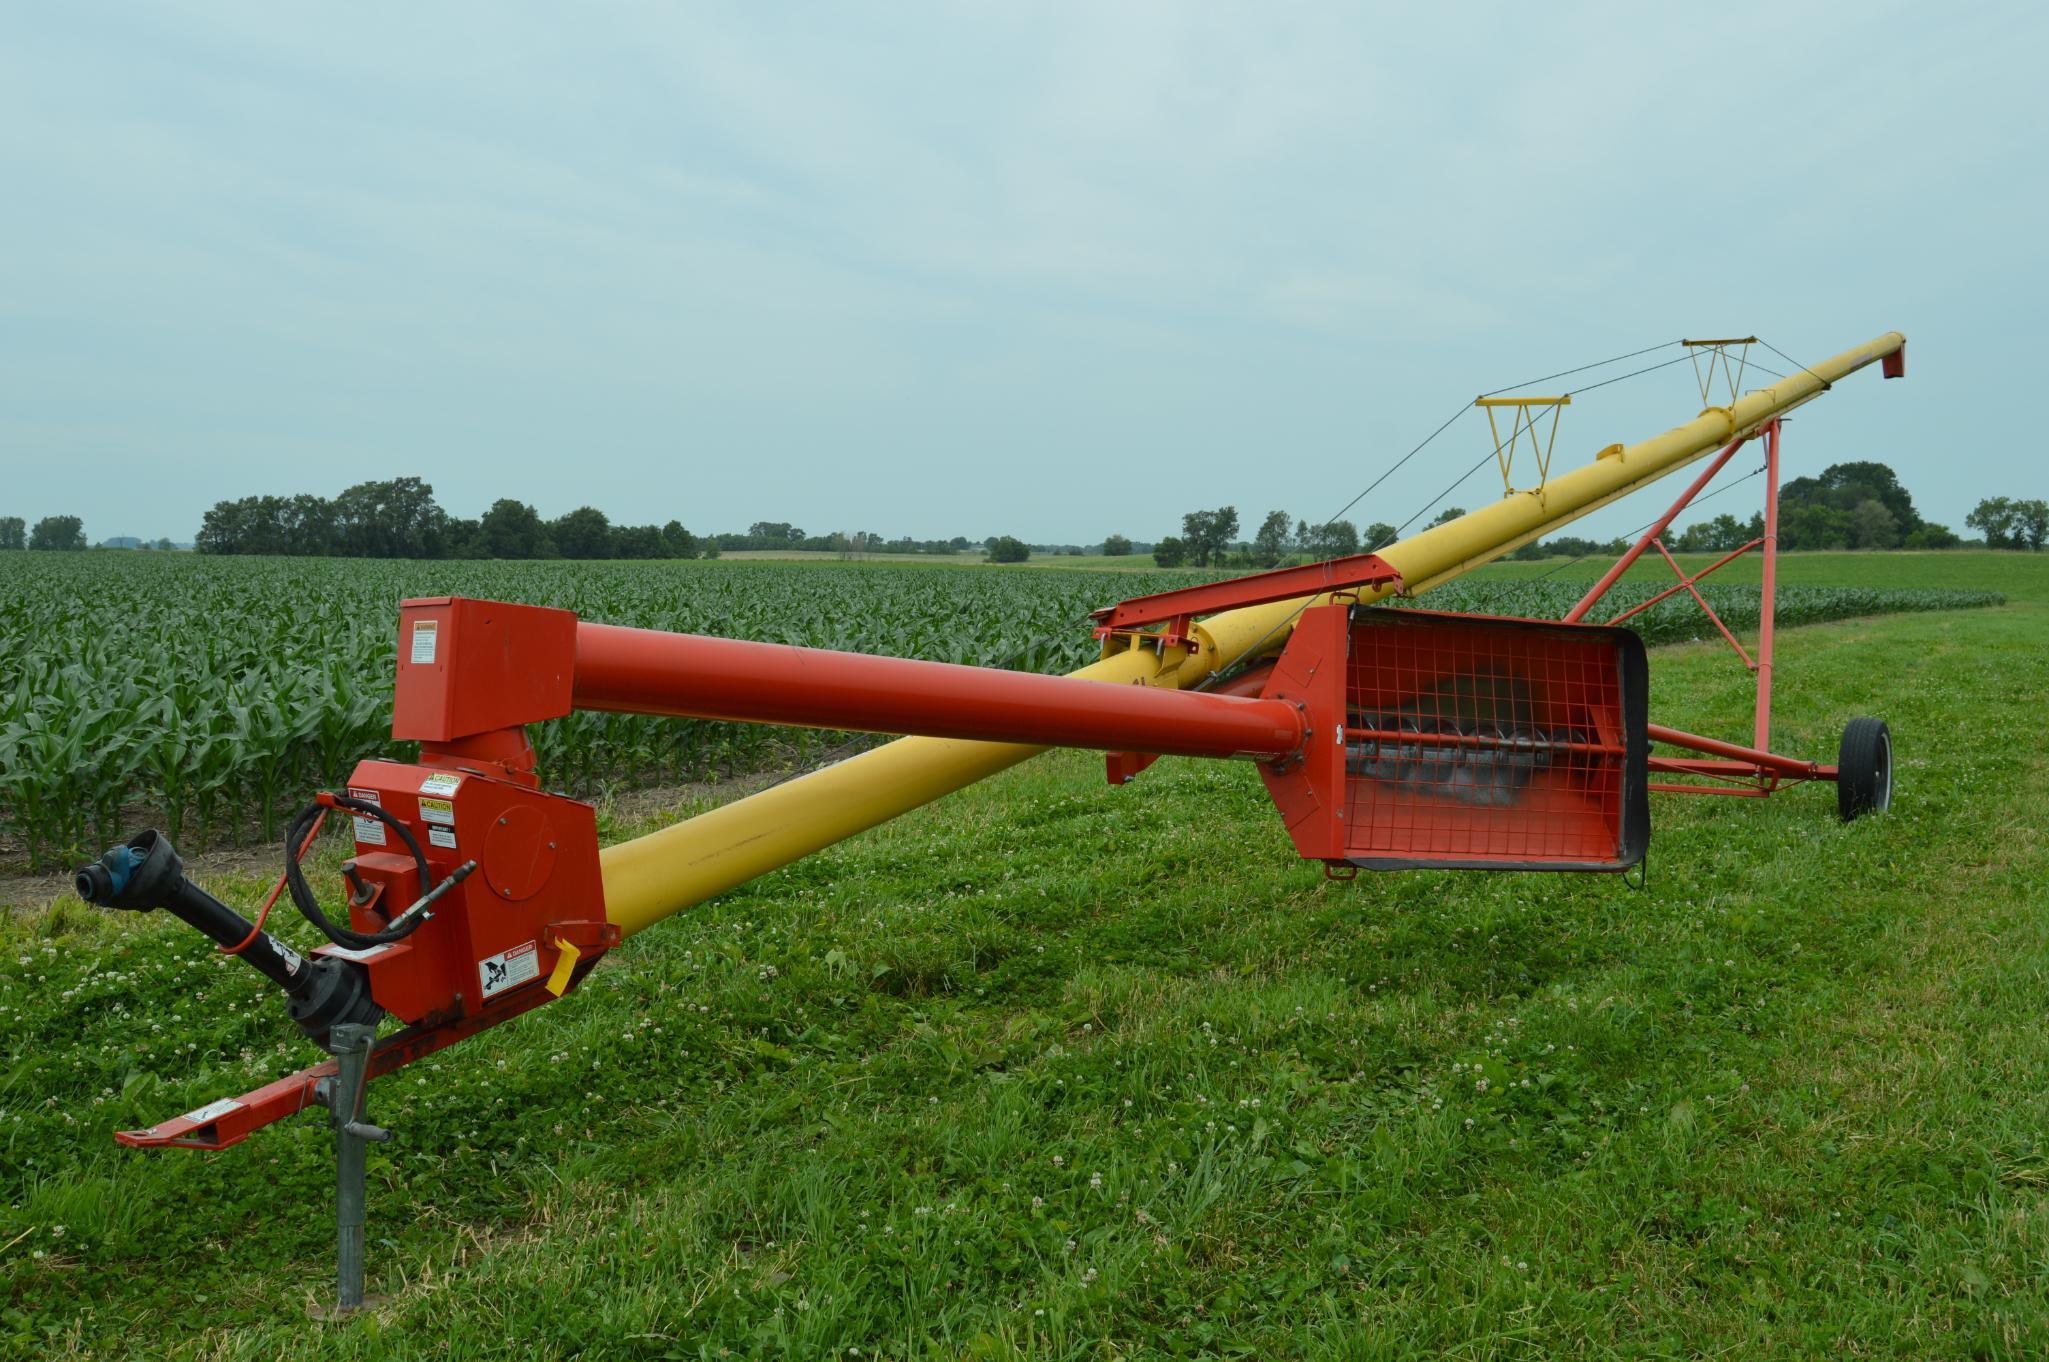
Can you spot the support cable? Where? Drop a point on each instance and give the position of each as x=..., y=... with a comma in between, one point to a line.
x=1563, y=373
x=1527, y=383
x=1633, y=373
x=1574, y=392
x=1825, y=384
x=1396, y=467
x=1238, y=665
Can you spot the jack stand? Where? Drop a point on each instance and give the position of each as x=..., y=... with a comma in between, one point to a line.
x=343, y=1095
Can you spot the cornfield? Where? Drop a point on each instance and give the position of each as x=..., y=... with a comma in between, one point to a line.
x=215, y=693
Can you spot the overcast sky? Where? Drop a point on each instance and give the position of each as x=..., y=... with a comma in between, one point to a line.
x=1050, y=270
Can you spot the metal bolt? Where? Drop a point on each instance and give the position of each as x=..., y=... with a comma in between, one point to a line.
x=506, y=892
x=501, y=822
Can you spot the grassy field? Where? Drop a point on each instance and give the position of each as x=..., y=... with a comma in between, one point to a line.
x=1057, y=1070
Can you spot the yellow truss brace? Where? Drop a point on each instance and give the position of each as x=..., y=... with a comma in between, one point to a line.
x=1717, y=352
x=1528, y=411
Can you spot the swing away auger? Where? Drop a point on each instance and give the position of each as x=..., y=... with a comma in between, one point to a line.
x=1388, y=739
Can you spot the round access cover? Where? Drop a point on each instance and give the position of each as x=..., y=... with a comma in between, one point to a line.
x=519, y=853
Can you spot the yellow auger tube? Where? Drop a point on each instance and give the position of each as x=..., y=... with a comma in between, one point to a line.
x=665, y=872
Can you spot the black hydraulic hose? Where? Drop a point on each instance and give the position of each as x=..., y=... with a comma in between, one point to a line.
x=302, y=893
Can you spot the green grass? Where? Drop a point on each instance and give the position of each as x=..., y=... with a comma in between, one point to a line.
x=1057, y=1070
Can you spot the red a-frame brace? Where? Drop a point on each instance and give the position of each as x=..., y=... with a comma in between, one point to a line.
x=1753, y=771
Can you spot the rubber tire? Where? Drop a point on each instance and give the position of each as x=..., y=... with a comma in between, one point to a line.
x=1864, y=769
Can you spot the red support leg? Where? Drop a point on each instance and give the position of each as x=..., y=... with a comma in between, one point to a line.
x=1767, y=604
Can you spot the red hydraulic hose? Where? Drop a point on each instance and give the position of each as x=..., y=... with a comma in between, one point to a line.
x=275, y=890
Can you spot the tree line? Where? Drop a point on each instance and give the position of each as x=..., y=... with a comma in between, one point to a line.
x=61, y=532
x=781, y=536
x=399, y=518
x=1210, y=539
x=1857, y=505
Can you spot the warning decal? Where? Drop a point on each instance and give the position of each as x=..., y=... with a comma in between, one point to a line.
x=442, y=837
x=213, y=1111
x=437, y=811
x=508, y=968
x=441, y=783
x=424, y=632
x=369, y=831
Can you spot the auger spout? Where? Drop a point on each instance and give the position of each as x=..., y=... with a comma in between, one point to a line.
x=652, y=877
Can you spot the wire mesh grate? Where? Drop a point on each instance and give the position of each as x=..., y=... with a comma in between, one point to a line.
x=1488, y=742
